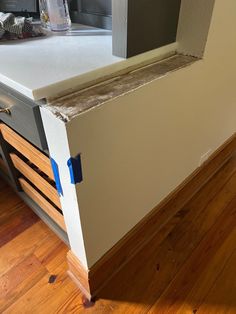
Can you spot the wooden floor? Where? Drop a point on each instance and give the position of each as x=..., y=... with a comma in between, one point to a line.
x=189, y=267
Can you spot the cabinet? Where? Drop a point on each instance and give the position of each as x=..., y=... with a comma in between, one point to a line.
x=23, y=115
x=33, y=173
x=24, y=159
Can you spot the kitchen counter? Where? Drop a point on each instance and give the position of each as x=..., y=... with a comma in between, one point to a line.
x=43, y=67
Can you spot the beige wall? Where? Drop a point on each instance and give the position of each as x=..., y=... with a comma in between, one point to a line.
x=136, y=149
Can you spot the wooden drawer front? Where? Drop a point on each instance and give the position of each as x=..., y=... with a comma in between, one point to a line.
x=27, y=150
x=41, y=183
x=51, y=211
x=24, y=116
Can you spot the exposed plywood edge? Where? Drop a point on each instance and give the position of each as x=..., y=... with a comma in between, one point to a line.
x=90, y=282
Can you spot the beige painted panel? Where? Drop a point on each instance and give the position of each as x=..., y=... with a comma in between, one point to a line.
x=194, y=23
x=136, y=149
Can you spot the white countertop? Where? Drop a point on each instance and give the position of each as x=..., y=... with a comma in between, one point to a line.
x=42, y=67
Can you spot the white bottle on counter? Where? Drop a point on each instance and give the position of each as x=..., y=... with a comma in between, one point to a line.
x=58, y=15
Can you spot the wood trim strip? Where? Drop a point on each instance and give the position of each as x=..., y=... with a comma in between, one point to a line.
x=103, y=270
x=79, y=274
x=43, y=203
x=46, y=188
x=27, y=150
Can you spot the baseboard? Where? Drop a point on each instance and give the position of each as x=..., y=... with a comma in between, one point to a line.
x=90, y=282
x=79, y=274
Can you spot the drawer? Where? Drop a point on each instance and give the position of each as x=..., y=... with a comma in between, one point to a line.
x=27, y=150
x=23, y=116
x=37, y=178
x=47, y=207
x=34, y=175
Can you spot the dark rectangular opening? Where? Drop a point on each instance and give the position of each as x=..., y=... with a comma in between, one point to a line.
x=97, y=13
x=151, y=24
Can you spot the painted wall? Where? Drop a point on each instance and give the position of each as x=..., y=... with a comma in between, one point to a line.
x=136, y=149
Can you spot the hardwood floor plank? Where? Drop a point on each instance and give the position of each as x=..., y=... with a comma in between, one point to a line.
x=54, y=256
x=27, y=283
x=196, y=296
x=51, y=254
x=73, y=304
x=222, y=297
x=171, y=299
x=21, y=246
x=17, y=274
x=49, y=295
x=9, y=201
x=13, y=226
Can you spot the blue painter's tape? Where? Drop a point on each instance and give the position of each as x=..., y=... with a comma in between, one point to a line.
x=56, y=176
x=75, y=168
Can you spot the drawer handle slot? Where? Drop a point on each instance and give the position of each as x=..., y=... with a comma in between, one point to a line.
x=5, y=110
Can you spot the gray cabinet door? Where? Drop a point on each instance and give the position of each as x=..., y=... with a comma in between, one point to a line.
x=96, y=13
x=24, y=116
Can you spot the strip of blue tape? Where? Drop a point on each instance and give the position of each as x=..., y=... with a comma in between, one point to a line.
x=75, y=168
x=56, y=176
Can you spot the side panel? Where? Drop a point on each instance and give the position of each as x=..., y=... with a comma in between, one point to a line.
x=56, y=134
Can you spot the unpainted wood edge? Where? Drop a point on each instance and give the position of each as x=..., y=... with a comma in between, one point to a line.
x=79, y=285
x=78, y=274
x=118, y=256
